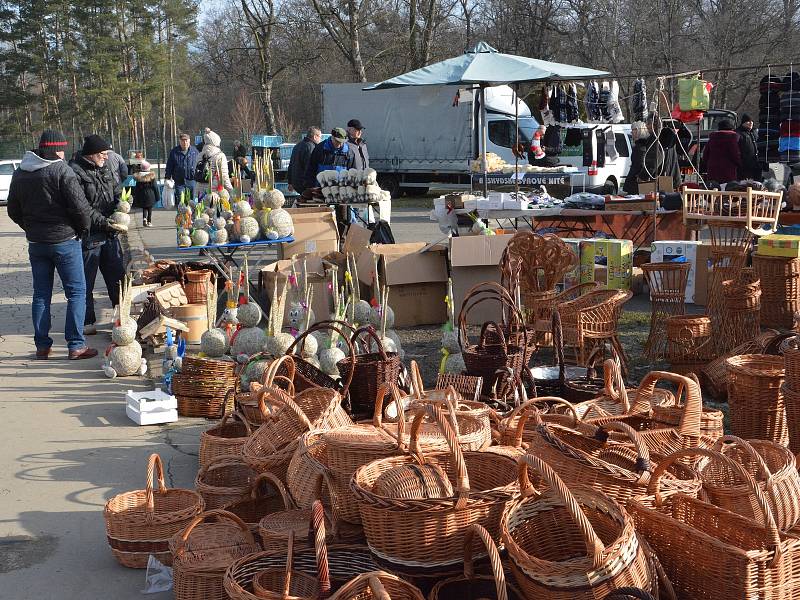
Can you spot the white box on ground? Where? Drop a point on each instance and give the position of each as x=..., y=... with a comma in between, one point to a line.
x=511, y=204
x=151, y=407
x=668, y=250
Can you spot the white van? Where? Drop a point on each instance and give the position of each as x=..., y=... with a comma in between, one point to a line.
x=605, y=178
x=7, y=168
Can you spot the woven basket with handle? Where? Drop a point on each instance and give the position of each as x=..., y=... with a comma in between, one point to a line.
x=226, y=438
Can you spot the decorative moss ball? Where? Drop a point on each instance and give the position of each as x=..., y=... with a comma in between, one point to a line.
x=279, y=344
x=281, y=221
x=214, y=343
x=199, y=237
x=242, y=208
x=123, y=207
x=219, y=236
x=308, y=346
x=248, y=341
x=184, y=241
x=455, y=364
x=253, y=373
x=126, y=360
x=125, y=333
x=450, y=341
x=363, y=312
x=328, y=357
x=120, y=218
x=274, y=199
x=249, y=227
x=375, y=317
x=249, y=314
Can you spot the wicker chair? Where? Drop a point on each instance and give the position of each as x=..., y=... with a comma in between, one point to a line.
x=468, y=386
x=591, y=320
x=543, y=310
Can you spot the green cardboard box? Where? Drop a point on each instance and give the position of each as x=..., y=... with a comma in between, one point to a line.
x=608, y=262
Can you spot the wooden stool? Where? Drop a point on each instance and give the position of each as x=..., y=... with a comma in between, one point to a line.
x=667, y=282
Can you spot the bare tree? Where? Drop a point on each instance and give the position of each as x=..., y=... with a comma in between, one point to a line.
x=344, y=21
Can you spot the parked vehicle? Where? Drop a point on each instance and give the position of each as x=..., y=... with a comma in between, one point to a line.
x=421, y=137
x=605, y=178
x=7, y=168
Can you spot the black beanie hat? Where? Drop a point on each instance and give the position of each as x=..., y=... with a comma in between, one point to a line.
x=94, y=144
x=54, y=140
x=745, y=118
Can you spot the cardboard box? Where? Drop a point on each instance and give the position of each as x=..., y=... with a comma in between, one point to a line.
x=667, y=251
x=662, y=184
x=775, y=244
x=318, y=277
x=417, y=277
x=616, y=258
x=474, y=259
x=702, y=277
x=314, y=231
x=573, y=276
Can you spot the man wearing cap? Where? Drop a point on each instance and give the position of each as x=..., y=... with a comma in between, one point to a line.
x=181, y=164
x=101, y=247
x=334, y=154
x=354, y=132
x=46, y=200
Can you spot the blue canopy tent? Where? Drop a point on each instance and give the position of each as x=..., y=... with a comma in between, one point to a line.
x=483, y=67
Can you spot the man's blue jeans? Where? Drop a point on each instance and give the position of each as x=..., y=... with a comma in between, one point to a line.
x=188, y=184
x=67, y=259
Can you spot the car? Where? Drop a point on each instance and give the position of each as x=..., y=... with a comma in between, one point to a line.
x=603, y=174
x=7, y=168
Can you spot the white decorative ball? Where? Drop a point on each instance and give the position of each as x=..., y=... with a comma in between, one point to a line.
x=123, y=206
x=249, y=314
x=312, y=360
x=200, y=237
x=126, y=360
x=308, y=346
x=249, y=340
x=281, y=221
x=249, y=227
x=328, y=357
x=245, y=239
x=282, y=343
x=363, y=312
x=184, y=241
x=254, y=372
x=200, y=222
x=242, y=208
x=274, y=199
x=219, y=223
x=220, y=236
x=120, y=218
x=214, y=342
x=125, y=333
x=375, y=317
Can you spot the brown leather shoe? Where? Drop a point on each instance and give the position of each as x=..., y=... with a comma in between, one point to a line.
x=42, y=353
x=84, y=352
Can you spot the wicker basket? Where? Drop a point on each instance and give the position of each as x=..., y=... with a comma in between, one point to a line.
x=425, y=536
x=336, y=564
x=790, y=348
x=468, y=386
x=310, y=376
x=309, y=462
x=259, y=504
x=272, y=445
x=195, y=286
x=142, y=522
x=277, y=527
x=773, y=468
x=572, y=545
x=709, y=552
x=755, y=399
x=285, y=584
x=378, y=585
x=689, y=339
x=470, y=585
x=370, y=370
x=224, y=439
x=201, y=388
x=780, y=285
x=715, y=374
x=711, y=419
x=203, y=552
x=224, y=480
x=250, y=403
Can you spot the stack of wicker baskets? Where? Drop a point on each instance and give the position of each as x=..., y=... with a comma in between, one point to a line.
x=791, y=390
x=780, y=289
x=202, y=387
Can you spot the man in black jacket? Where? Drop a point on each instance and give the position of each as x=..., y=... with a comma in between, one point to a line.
x=301, y=153
x=46, y=200
x=355, y=131
x=751, y=168
x=101, y=247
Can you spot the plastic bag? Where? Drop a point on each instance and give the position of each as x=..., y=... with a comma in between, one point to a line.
x=168, y=195
x=158, y=578
x=693, y=94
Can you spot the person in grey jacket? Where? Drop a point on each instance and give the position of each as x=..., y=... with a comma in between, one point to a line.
x=301, y=154
x=46, y=200
x=116, y=164
x=355, y=131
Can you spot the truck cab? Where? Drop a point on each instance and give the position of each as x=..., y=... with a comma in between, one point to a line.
x=605, y=173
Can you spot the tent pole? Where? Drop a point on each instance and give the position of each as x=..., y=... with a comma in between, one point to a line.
x=484, y=133
x=516, y=140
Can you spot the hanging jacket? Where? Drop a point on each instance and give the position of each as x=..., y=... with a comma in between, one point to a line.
x=46, y=201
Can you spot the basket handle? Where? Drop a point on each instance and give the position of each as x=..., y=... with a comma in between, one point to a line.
x=376, y=587
x=289, y=562
x=272, y=371
x=690, y=419
x=489, y=290
x=630, y=592
x=462, y=477
x=643, y=465
x=558, y=344
x=222, y=460
x=466, y=306
x=222, y=409
x=154, y=467
x=594, y=546
x=331, y=326
x=654, y=489
x=261, y=395
x=219, y=514
x=614, y=384
x=494, y=559
x=236, y=415
x=524, y=410
x=417, y=388
x=320, y=549
x=370, y=331
x=273, y=480
x=289, y=403
x=377, y=415
x=719, y=446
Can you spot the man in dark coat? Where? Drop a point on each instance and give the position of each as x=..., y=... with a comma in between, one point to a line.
x=181, y=164
x=46, y=200
x=334, y=154
x=721, y=156
x=101, y=247
x=355, y=131
x=301, y=154
x=647, y=158
x=751, y=168
x=240, y=158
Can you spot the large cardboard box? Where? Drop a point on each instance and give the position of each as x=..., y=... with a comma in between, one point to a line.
x=662, y=184
x=318, y=278
x=475, y=259
x=314, y=231
x=417, y=276
x=573, y=276
x=672, y=250
x=608, y=262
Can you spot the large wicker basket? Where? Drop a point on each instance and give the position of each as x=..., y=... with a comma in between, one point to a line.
x=141, y=523
x=226, y=438
x=755, y=399
x=424, y=536
x=780, y=287
x=203, y=552
x=571, y=544
x=260, y=503
x=224, y=480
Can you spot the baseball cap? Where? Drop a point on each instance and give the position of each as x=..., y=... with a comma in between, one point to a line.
x=355, y=124
x=339, y=133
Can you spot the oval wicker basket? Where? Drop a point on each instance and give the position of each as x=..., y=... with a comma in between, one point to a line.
x=224, y=439
x=224, y=480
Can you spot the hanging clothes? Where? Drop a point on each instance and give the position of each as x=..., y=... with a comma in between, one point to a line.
x=551, y=141
x=600, y=147
x=593, y=112
x=573, y=137
x=611, y=144
x=639, y=101
x=544, y=106
x=572, y=104
x=614, y=109
x=588, y=150
x=605, y=95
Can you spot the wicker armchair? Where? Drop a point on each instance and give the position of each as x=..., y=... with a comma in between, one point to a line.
x=469, y=386
x=591, y=320
x=544, y=309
